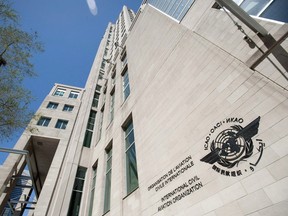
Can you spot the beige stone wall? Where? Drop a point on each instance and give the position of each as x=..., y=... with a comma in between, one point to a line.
x=47, y=136
x=183, y=82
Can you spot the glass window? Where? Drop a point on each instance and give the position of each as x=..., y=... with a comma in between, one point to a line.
x=126, y=85
x=91, y=120
x=105, y=87
x=75, y=201
x=131, y=162
x=44, y=121
x=101, y=74
x=124, y=59
x=182, y=10
x=52, y=105
x=106, y=51
x=98, y=88
x=112, y=101
x=168, y=6
x=94, y=174
x=73, y=94
x=59, y=92
x=254, y=7
x=89, y=129
x=95, y=100
x=271, y=9
x=108, y=180
x=174, y=8
x=61, y=124
x=104, y=98
x=87, y=138
x=113, y=81
x=113, y=75
x=103, y=64
x=238, y=1
x=100, y=125
x=277, y=10
x=68, y=108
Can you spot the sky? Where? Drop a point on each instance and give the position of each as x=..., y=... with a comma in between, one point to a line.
x=70, y=31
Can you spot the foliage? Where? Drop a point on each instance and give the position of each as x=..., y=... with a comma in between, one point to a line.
x=16, y=50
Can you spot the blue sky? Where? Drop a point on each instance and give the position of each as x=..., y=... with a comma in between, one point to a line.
x=70, y=34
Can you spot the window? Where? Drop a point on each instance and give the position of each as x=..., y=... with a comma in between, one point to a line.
x=59, y=92
x=61, y=124
x=113, y=75
x=103, y=63
x=173, y=8
x=113, y=81
x=73, y=94
x=89, y=129
x=131, y=163
x=108, y=180
x=105, y=87
x=112, y=101
x=103, y=99
x=95, y=99
x=101, y=74
x=52, y=105
x=98, y=88
x=124, y=59
x=126, y=85
x=68, y=108
x=94, y=174
x=271, y=9
x=254, y=7
x=44, y=121
x=277, y=10
x=75, y=201
x=100, y=125
x=91, y=120
x=106, y=50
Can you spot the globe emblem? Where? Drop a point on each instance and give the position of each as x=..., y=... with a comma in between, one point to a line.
x=230, y=146
x=234, y=145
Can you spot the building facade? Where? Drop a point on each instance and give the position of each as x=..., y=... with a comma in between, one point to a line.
x=184, y=113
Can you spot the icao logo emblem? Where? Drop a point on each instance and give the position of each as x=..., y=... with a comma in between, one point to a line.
x=230, y=147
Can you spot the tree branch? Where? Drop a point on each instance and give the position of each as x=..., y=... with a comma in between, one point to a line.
x=6, y=48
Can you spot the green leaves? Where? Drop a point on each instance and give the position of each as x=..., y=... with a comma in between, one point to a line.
x=7, y=13
x=17, y=47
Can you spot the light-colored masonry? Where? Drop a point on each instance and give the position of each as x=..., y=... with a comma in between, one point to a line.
x=209, y=114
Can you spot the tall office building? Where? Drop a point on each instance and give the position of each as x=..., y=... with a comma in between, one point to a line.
x=184, y=113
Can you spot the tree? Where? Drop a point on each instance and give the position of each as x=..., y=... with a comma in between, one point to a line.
x=16, y=50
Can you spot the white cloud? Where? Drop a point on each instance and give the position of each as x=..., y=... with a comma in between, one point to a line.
x=92, y=6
